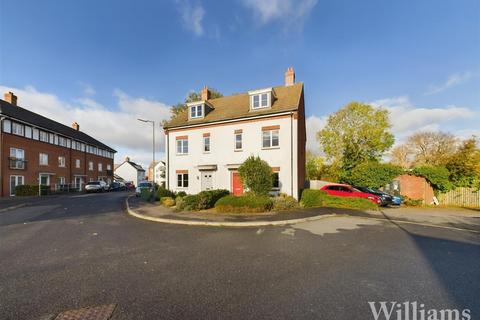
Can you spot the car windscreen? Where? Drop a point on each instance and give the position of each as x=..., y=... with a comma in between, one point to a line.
x=95, y=183
x=145, y=185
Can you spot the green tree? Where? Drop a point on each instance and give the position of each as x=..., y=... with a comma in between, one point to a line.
x=464, y=164
x=355, y=134
x=313, y=166
x=192, y=97
x=437, y=176
x=372, y=174
x=256, y=175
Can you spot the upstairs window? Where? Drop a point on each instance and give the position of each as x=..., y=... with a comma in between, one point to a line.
x=43, y=159
x=196, y=111
x=61, y=161
x=238, y=140
x=206, y=142
x=100, y=167
x=270, y=138
x=182, y=145
x=90, y=165
x=17, y=129
x=43, y=136
x=77, y=163
x=260, y=100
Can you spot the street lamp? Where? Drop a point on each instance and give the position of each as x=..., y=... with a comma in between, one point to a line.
x=153, y=145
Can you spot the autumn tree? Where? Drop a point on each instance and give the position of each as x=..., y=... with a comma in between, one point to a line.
x=431, y=148
x=464, y=164
x=401, y=156
x=355, y=134
x=192, y=97
x=313, y=166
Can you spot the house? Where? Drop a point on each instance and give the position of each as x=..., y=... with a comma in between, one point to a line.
x=207, y=142
x=150, y=170
x=129, y=171
x=37, y=150
x=159, y=172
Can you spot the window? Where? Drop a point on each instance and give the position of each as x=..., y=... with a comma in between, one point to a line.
x=15, y=181
x=51, y=138
x=261, y=100
x=238, y=141
x=17, y=129
x=182, y=180
x=206, y=144
x=35, y=133
x=276, y=181
x=90, y=165
x=7, y=126
x=28, y=132
x=109, y=167
x=100, y=167
x=43, y=136
x=43, y=159
x=270, y=138
x=61, y=161
x=62, y=141
x=77, y=163
x=61, y=181
x=18, y=154
x=196, y=111
x=182, y=146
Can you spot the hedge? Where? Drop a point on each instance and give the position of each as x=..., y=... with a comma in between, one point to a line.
x=244, y=204
x=164, y=192
x=284, y=202
x=207, y=199
x=29, y=190
x=319, y=198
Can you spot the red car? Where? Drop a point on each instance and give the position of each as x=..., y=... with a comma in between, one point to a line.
x=344, y=190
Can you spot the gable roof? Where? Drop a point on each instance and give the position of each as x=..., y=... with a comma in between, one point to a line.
x=42, y=122
x=133, y=164
x=238, y=106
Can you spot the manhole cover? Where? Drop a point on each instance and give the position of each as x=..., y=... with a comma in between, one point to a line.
x=103, y=312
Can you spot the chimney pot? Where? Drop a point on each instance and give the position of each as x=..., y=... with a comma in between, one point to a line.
x=127, y=159
x=289, y=77
x=205, y=93
x=76, y=126
x=10, y=98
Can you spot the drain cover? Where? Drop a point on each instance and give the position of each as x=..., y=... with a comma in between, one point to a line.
x=103, y=312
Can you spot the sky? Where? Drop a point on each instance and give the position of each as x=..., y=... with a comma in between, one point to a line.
x=106, y=63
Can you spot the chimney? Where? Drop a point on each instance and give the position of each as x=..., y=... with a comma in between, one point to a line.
x=10, y=97
x=289, y=77
x=76, y=126
x=205, y=93
x=127, y=159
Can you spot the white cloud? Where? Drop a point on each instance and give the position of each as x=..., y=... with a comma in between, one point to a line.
x=313, y=125
x=88, y=90
x=290, y=11
x=192, y=16
x=117, y=127
x=407, y=118
x=452, y=81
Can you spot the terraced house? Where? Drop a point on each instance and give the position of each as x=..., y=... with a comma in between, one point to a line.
x=37, y=150
x=206, y=144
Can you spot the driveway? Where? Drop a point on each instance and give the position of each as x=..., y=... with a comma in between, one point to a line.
x=79, y=251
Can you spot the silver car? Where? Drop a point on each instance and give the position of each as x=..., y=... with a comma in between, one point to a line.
x=96, y=186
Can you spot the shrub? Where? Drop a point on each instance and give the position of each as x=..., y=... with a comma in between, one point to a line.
x=284, y=202
x=181, y=194
x=438, y=177
x=146, y=195
x=164, y=192
x=372, y=174
x=167, y=201
x=312, y=198
x=29, y=190
x=179, y=203
x=256, y=175
x=412, y=202
x=207, y=199
x=244, y=204
x=190, y=202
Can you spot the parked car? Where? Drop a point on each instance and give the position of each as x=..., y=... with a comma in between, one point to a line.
x=385, y=198
x=117, y=186
x=96, y=186
x=143, y=186
x=397, y=200
x=344, y=190
x=129, y=186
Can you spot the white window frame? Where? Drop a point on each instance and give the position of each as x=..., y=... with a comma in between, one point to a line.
x=18, y=129
x=90, y=165
x=270, y=137
x=184, y=145
x=28, y=132
x=43, y=136
x=205, y=139
x=62, y=163
x=61, y=181
x=181, y=180
x=16, y=177
x=100, y=167
x=196, y=111
x=260, y=96
x=41, y=159
x=240, y=134
x=278, y=179
x=17, y=153
x=7, y=126
x=77, y=163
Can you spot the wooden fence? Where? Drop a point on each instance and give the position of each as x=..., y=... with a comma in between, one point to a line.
x=463, y=197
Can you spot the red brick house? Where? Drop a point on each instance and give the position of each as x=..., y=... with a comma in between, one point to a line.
x=413, y=187
x=36, y=150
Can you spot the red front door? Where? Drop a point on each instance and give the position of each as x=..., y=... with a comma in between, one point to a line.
x=237, y=186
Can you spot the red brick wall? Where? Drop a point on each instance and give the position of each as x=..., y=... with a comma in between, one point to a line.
x=32, y=148
x=416, y=188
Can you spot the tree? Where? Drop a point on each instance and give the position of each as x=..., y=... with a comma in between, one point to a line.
x=256, y=175
x=192, y=97
x=313, y=166
x=355, y=134
x=432, y=148
x=464, y=164
x=372, y=174
x=401, y=156
x=436, y=175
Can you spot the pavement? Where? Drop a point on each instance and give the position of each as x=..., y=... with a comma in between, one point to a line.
x=71, y=253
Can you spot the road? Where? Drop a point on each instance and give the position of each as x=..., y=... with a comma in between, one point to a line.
x=79, y=251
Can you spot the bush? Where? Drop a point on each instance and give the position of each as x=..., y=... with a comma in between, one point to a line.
x=28, y=190
x=164, y=192
x=438, y=177
x=181, y=194
x=167, y=201
x=284, y=202
x=244, y=204
x=412, y=202
x=319, y=198
x=179, y=203
x=146, y=195
x=256, y=175
x=190, y=202
x=372, y=174
x=207, y=199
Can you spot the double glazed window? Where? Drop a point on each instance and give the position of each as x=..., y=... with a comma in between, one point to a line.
x=17, y=129
x=238, y=141
x=206, y=143
x=196, y=111
x=17, y=157
x=182, y=180
x=100, y=167
x=43, y=136
x=260, y=101
x=90, y=165
x=61, y=161
x=43, y=159
x=182, y=146
x=77, y=163
x=270, y=138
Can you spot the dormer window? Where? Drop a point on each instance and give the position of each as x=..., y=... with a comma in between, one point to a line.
x=196, y=111
x=260, y=99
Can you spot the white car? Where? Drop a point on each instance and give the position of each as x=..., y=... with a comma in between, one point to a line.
x=143, y=186
x=96, y=186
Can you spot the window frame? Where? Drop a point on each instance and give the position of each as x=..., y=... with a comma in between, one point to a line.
x=271, y=133
x=259, y=98
x=78, y=163
x=235, y=135
x=100, y=167
x=60, y=164
x=90, y=165
x=15, y=127
x=184, y=143
x=276, y=179
x=44, y=156
x=16, y=150
x=195, y=114
x=205, y=145
x=181, y=181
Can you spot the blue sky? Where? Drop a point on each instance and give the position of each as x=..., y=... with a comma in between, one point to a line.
x=105, y=63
